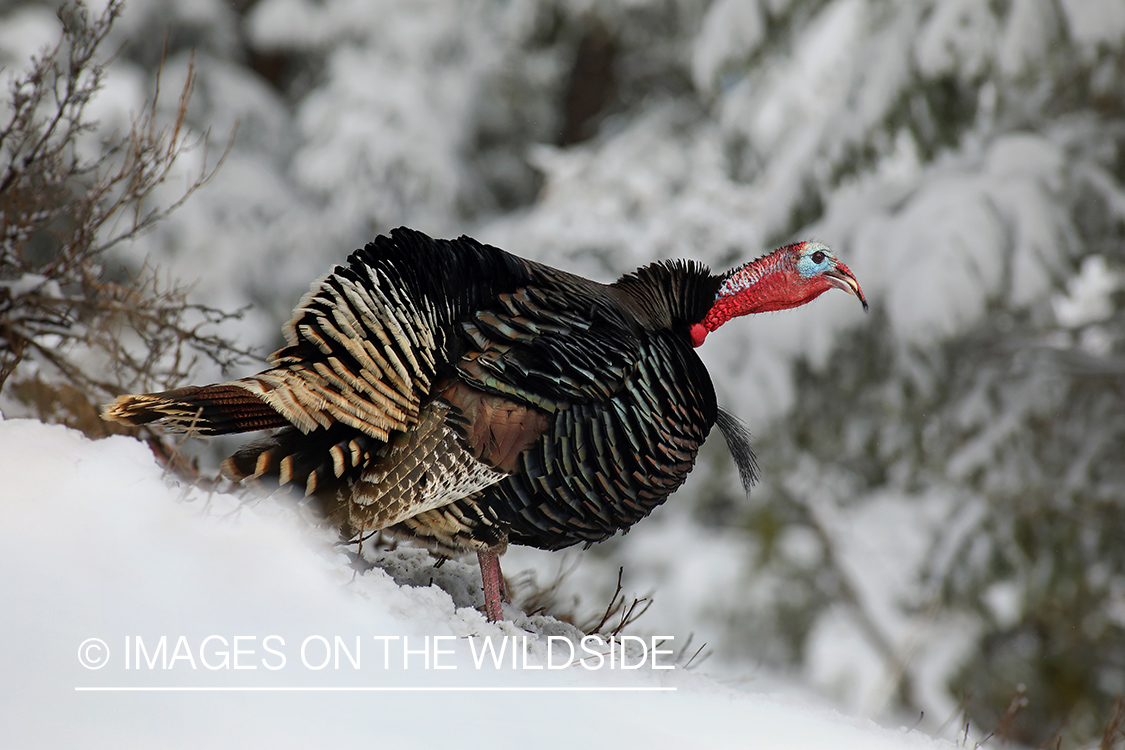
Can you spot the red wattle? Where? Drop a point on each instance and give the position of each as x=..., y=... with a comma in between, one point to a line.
x=698, y=334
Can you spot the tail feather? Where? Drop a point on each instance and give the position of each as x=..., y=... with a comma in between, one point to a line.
x=317, y=461
x=207, y=410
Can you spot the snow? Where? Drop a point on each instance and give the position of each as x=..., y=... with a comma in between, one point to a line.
x=732, y=30
x=1094, y=23
x=100, y=544
x=843, y=661
x=25, y=33
x=385, y=118
x=1088, y=294
x=957, y=39
x=806, y=84
x=1009, y=236
x=117, y=105
x=1032, y=28
x=30, y=283
x=962, y=157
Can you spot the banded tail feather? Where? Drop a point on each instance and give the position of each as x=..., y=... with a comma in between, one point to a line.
x=452, y=392
x=320, y=461
x=206, y=410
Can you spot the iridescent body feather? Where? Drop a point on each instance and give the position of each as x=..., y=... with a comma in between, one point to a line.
x=455, y=393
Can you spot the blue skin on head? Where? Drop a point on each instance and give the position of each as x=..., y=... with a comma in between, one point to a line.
x=808, y=267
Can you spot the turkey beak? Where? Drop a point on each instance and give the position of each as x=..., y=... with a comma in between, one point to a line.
x=841, y=277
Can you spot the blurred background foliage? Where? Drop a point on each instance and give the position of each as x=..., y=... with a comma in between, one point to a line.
x=941, y=524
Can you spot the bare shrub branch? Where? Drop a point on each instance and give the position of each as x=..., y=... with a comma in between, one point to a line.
x=63, y=318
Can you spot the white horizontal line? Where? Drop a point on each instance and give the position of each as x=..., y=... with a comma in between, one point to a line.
x=368, y=689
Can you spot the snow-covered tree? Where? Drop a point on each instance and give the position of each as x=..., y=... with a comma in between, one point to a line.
x=940, y=525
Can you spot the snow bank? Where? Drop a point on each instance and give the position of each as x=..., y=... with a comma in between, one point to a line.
x=97, y=543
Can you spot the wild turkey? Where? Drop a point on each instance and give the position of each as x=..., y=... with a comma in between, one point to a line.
x=453, y=392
